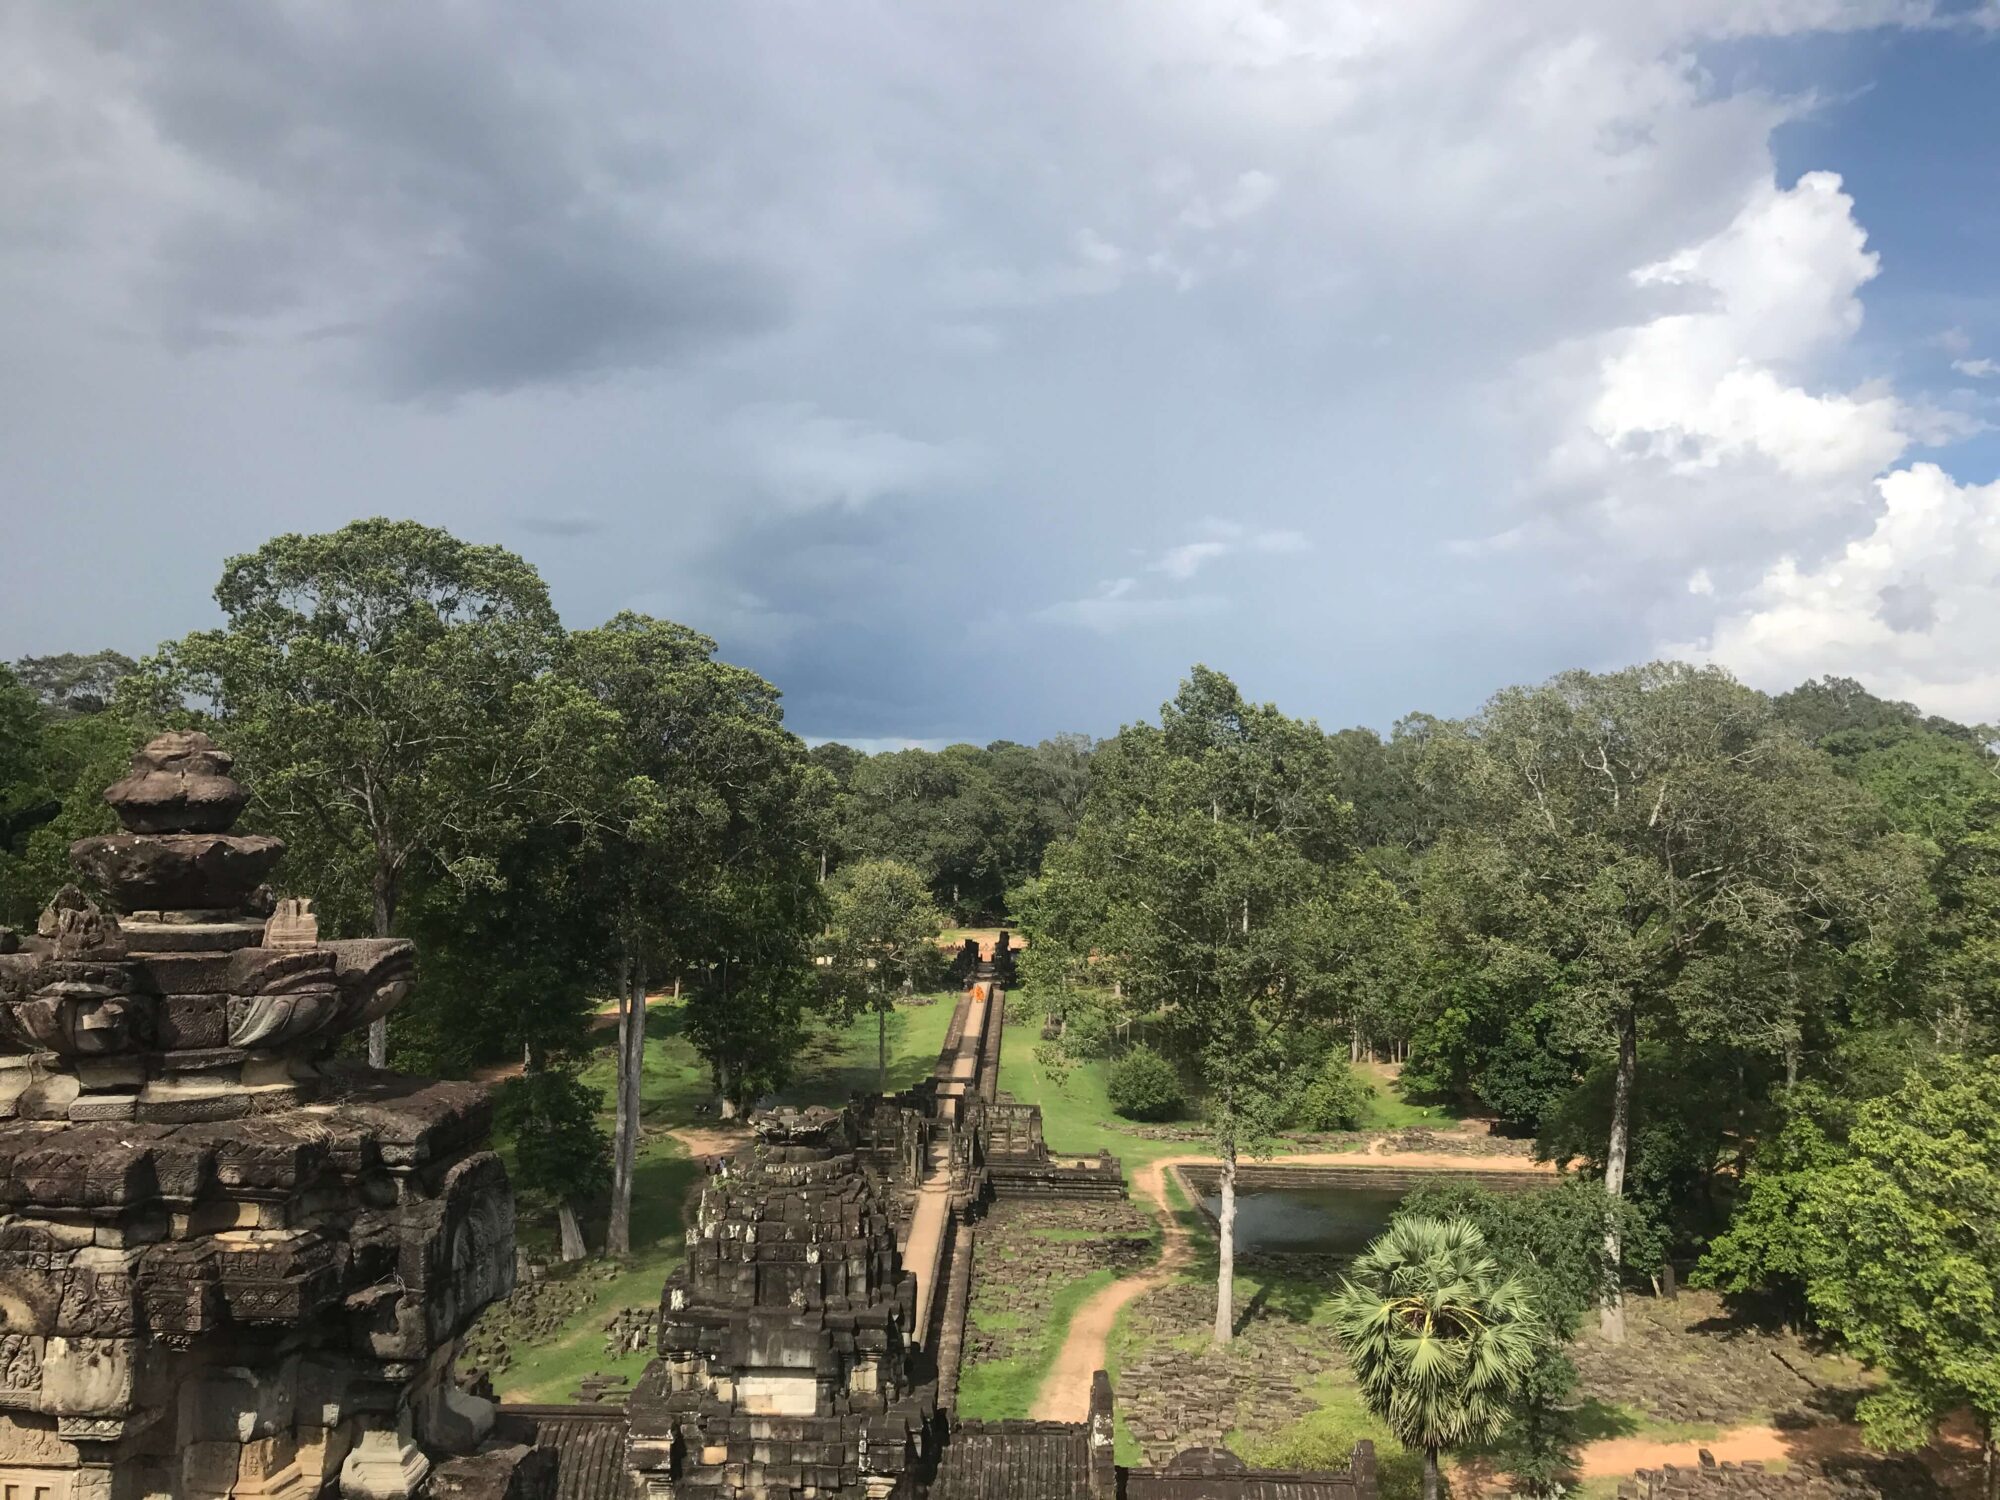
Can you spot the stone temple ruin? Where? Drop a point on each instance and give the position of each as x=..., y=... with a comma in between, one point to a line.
x=228, y=1264
x=789, y=1359
x=232, y=1265
x=809, y=1347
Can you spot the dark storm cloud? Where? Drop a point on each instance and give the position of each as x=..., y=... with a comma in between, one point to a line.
x=442, y=185
x=551, y=303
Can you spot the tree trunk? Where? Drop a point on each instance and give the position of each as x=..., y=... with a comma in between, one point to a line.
x=619, y=1221
x=573, y=1247
x=618, y=1228
x=1225, y=1245
x=1611, y=1318
x=725, y=1093
x=882, y=1048
x=635, y=1073
x=631, y=1057
x=1354, y=1043
x=385, y=921
x=1433, y=1481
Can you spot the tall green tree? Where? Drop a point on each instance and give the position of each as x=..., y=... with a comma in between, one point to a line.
x=839, y=764
x=560, y=1149
x=1769, y=1249
x=704, y=866
x=1213, y=882
x=1438, y=1338
x=1665, y=857
x=26, y=798
x=937, y=812
x=1943, y=791
x=881, y=938
x=973, y=821
x=394, y=692
x=753, y=922
x=55, y=762
x=73, y=683
x=1902, y=1258
x=513, y=968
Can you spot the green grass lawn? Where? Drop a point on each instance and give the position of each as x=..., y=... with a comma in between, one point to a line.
x=841, y=1060
x=1325, y=1437
x=662, y=1180
x=1389, y=1110
x=1004, y=1389
x=837, y=1061
x=1077, y=1118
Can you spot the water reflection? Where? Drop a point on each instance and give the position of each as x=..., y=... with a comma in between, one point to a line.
x=1337, y=1221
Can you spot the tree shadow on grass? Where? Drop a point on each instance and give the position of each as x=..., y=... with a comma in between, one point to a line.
x=1596, y=1420
x=1283, y=1293
x=663, y=1190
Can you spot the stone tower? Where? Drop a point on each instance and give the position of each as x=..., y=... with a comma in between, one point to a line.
x=228, y=1264
x=787, y=1367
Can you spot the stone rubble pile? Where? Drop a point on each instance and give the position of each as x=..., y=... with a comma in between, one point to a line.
x=1866, y=1479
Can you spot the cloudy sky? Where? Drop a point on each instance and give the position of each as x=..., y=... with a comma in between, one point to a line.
x=971, y=368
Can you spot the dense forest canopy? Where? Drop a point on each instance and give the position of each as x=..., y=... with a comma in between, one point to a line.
x=1734, y=958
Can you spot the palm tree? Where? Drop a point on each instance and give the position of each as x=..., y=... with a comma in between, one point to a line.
x=1437, y=1337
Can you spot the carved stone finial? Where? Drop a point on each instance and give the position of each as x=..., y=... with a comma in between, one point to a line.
x=812, y=1127
x=180, y=783
x=292, y=924
x=78, y=929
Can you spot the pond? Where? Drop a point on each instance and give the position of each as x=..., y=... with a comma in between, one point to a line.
x=1323, y=1220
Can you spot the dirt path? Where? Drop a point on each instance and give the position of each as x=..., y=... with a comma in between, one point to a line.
x=1952, y=1458
x=711, y=1140
x=1065, y=1393
x=1616, y=1458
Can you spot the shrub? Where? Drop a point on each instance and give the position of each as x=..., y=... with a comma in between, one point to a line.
x=1335, y=1100
x=1144, y=1086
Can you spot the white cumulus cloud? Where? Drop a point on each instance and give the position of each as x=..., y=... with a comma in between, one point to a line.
x=1682, y=409
x=1911, y=606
